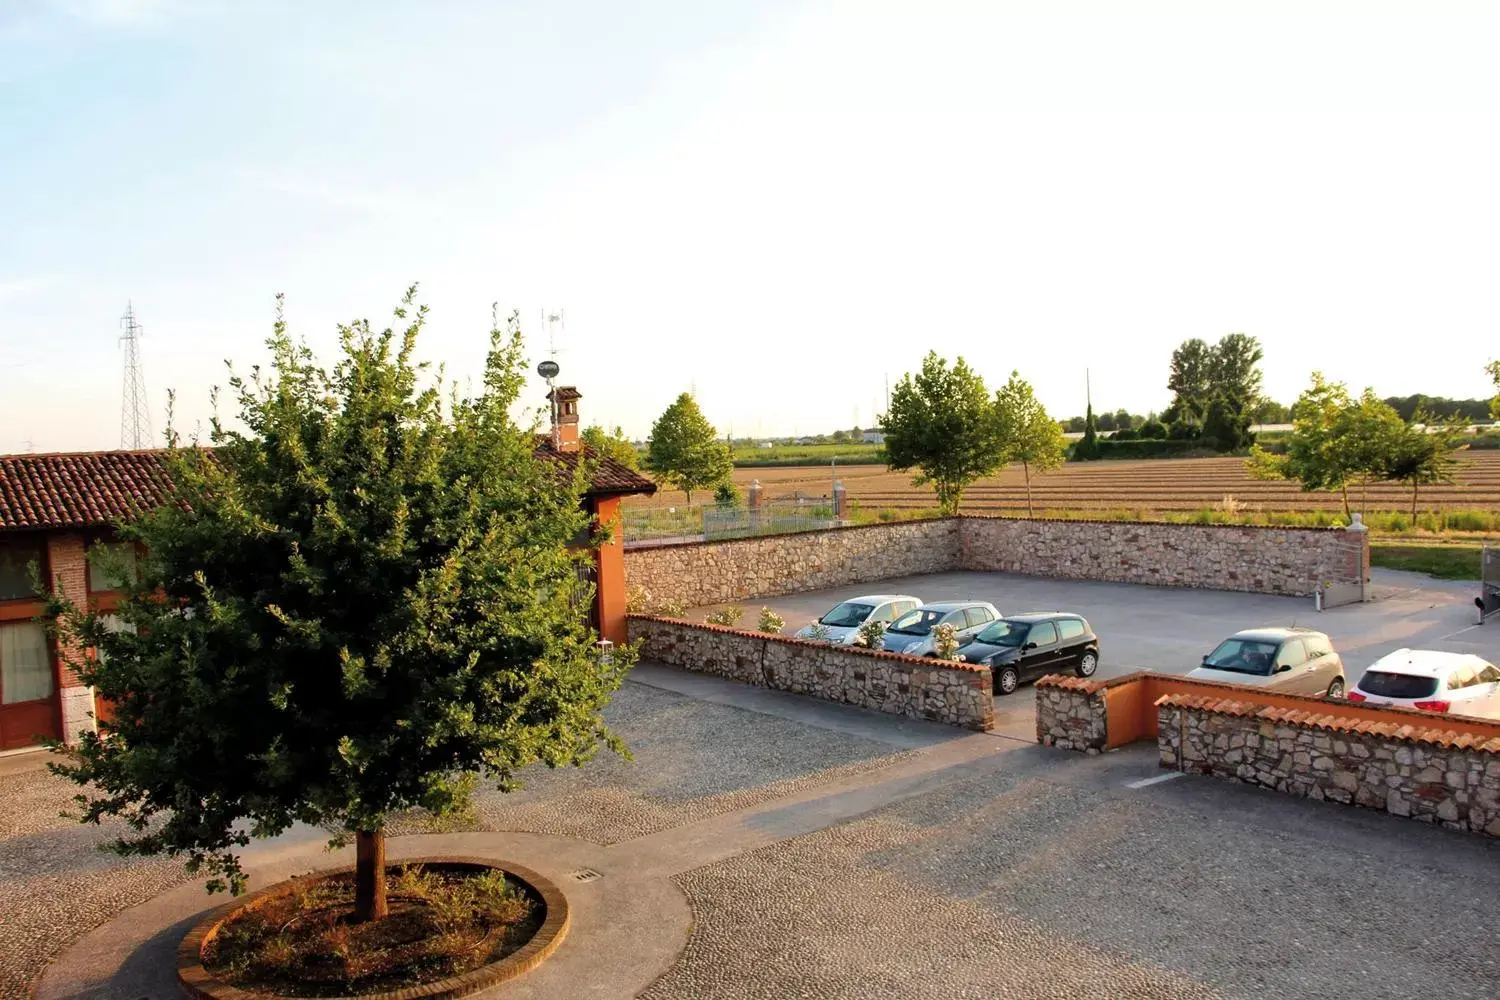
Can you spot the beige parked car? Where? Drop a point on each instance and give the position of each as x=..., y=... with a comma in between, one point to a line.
x=1292, y=660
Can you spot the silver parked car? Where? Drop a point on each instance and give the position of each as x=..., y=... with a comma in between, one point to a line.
x=1292, y=660
x=912, y=632
x=843, y=622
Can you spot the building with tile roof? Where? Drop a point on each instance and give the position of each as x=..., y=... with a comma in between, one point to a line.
x=54, y=508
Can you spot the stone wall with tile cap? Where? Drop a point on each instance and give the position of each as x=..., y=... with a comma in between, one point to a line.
x=1070, y=714
x=959, y=694
x=1426, y=773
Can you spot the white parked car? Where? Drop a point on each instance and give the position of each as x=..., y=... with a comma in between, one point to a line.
x=1432, y=681
x=912, y=632
x=843, y=622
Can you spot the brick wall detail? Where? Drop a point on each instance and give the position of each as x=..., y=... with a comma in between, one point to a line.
x=952, y=693
x=1429, y=775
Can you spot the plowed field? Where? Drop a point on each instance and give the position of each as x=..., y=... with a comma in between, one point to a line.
x=1157, y=484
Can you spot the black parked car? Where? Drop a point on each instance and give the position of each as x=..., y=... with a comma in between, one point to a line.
x=1024, y=647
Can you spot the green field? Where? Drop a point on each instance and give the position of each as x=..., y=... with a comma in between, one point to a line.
x=750, y=457
x=1446, y=562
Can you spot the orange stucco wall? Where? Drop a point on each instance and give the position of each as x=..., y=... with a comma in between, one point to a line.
x=1130, y=706
x=611, y=581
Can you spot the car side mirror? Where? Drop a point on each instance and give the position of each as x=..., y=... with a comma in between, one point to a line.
x=1205, y=659
x=1283, y=668
x=1029, y=645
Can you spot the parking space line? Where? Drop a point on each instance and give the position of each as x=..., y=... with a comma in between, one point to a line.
x=1459, y=632
x=1154, y=780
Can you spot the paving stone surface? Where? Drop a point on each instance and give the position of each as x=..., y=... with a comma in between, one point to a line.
x=55, y=882
x=690, y=760
x=1051, y=879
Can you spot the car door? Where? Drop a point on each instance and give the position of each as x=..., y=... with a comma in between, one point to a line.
x=1323, y=664
x=1070, y=642
x=884, y=613
x=976, y=619
x=1040, y=654
x=1291, y=672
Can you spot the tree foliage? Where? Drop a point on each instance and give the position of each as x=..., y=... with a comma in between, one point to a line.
x=1493, y=371
x=354, y=604
x=1335, y=441
x=1422, y=454
x=1216, y=391
x=1030, y=436
x=685, y=450
x=942, y=423
x=613, y=445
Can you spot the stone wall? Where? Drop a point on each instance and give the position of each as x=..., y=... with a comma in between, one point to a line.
x=1219, y=557
x=1427, y=774
x=1070, y=714
x=716, y=572
x=1289, y=561
x=959, y=694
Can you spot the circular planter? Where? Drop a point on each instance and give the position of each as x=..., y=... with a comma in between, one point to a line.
x=199, y=982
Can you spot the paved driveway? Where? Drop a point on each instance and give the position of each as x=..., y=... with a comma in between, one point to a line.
x=1168, y=629
x=795, y=848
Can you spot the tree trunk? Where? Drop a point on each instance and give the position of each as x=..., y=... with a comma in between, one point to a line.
x=1344, y=491
x=369, y=876
x=1026, y=471
x=1414, y=504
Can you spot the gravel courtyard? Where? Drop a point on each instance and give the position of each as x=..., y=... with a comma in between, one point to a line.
x=831, y=853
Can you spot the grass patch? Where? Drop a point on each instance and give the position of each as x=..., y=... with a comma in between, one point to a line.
x=1444, y=562
x=809, y=454
x=445, y=920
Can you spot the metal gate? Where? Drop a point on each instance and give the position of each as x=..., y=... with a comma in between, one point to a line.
x=1488, y=600
x=586, y=601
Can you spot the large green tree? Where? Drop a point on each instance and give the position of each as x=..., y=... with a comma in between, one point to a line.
x=1216, y=390
x=1030, y=436
x=942, y=423
x=685, y=450
x=353, y=606
x=613, y=445
x=1423, y=453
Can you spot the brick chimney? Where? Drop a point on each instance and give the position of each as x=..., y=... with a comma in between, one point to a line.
x=564, y=401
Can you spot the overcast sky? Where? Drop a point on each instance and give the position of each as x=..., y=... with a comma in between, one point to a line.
x=778, y=204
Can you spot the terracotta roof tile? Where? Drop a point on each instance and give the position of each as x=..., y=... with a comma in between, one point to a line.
x=97, y=488
x=88, y=489
x=610, y=477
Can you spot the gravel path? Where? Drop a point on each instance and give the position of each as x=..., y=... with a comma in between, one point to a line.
x=55, y=884
x=1018, y=885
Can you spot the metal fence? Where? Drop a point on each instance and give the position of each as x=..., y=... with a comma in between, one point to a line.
x=712, y=522
x=1489, y=582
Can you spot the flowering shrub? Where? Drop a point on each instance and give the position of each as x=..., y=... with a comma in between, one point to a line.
x=818, y=632
x=945, y=641
x=670, y=609
x=871, y=634
x=728, y=616
x=637, y=600
x=770, y=621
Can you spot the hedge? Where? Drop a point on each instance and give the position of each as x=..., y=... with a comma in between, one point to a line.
x=1152, y=449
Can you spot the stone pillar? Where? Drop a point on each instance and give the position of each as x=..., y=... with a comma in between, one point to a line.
x=67, y=564
x=1360, y=536
x=840, y=502
x=752, y=500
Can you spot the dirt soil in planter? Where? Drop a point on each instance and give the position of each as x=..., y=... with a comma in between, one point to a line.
x=444, y=920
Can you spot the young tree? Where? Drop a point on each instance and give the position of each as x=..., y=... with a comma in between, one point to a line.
x=685, y=450
x=1031, y=436
x=349, y=608
x=1335, y=441
x=612, y=445
x=942, y=423
x=1422, y=455
x=1493, y=371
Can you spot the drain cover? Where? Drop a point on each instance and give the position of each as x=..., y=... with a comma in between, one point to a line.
x=584, y=875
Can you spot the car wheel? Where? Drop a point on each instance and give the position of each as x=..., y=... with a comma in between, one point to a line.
x=1336, y=689
x=1007, y=680
x=1088, y=664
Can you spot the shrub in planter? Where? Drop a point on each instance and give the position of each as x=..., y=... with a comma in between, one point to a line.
x=945, y=641
x=771, y=622
x=871, y=635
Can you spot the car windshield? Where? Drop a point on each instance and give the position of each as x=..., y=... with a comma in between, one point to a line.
x=1243, y=656
x=1004, y=633
x=1387, y=685
x=847, y=615
x=918, y=622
